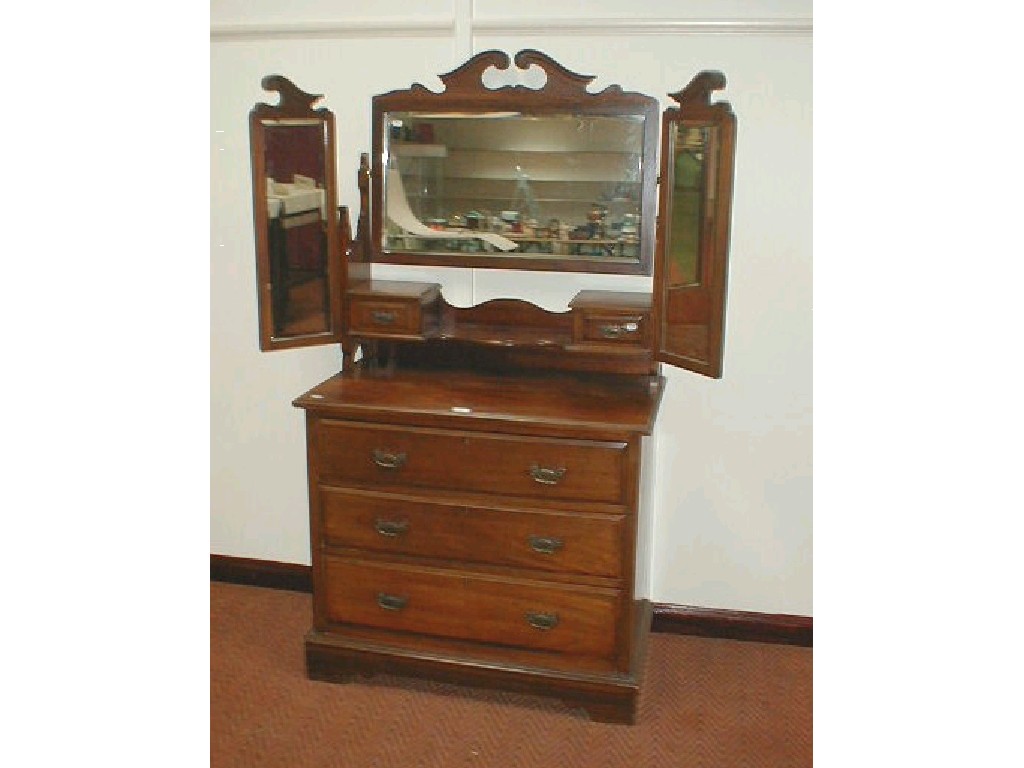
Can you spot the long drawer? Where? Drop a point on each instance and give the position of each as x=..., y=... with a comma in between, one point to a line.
x=470, y=606
x=548, y=540
x=548, y=468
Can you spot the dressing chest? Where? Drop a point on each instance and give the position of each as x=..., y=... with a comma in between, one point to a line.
x=476, y=472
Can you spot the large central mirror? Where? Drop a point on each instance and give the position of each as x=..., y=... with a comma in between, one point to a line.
x=514, y=185
x=557, y=178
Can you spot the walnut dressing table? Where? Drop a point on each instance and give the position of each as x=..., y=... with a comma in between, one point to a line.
x=475, y=472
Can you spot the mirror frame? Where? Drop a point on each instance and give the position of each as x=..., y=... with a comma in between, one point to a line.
x=563, y=93
x=697, y=309
x=295, y=104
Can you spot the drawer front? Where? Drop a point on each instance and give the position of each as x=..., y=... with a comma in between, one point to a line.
x=471, y=607
x=547, y=468
x=629, y=330
x=385, y=316
x=541, y=539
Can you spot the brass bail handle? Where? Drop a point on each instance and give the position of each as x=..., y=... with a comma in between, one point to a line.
x=391, y=602
x=547, y=475
x=546, y=545
x=387, y=460
x=391, y=528
x=542, y=621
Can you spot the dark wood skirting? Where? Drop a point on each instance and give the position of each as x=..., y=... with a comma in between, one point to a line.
x=261, y=573
x=723, y=623
x=674, y=619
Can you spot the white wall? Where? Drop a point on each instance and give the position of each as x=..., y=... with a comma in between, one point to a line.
x=731, y=491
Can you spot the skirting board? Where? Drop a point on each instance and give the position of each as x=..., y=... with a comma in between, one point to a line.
x=673, y=619
x=261, y=573
x=784, y=629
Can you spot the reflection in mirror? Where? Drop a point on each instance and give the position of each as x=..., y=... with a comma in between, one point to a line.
x=297, y=225
x=294, y=214
x=692, y=201
x=514, y=185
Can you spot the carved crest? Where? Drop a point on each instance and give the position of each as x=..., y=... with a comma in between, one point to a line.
x=468, y=78
x=697, y=93
x=294, y=101
x=562, y=85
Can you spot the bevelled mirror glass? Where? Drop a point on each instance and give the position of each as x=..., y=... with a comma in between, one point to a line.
x=548, y=178
x=693, y=160
x=514, y=185
x=295, y=218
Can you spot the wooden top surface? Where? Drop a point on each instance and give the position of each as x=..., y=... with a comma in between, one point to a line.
x=612, y=299
x=457, y=399
x=401, y=288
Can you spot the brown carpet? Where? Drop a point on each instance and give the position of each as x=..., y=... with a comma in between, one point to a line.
x=705, y=702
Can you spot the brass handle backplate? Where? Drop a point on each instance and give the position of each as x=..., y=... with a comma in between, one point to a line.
x=382, y=318
x=387, y=460
x=547, y=475
x=391, y=602
x=391, y=528
x=546, y=545
x=543, y=621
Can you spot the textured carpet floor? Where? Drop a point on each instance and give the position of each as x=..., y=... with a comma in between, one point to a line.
x=704, y=703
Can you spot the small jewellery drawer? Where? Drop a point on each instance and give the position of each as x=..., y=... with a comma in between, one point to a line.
x=546, y=540
x=467, y=606
x=614, y=329
x=392, y=308
x=383, y=316
x=549, y=468
x=613, y=318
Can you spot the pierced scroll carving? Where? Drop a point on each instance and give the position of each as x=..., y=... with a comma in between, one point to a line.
x=468, y=78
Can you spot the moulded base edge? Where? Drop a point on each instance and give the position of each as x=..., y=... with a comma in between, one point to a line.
x=605, y=698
